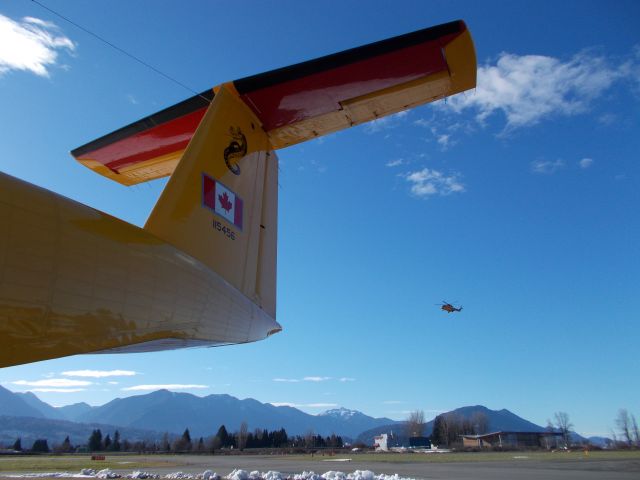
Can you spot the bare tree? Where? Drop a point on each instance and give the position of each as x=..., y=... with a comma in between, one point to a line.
x=480, y=423
x=415, y=424
x=636, y=433
x=623, y=422
x=242, y=435
x=564, y=425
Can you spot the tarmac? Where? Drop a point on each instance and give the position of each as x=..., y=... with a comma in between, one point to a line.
x=521, y=468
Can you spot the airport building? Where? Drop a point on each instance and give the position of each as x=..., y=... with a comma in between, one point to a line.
x=514, y=440
x=380, y=443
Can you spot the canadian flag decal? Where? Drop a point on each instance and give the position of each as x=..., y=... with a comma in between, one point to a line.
x=221, y=200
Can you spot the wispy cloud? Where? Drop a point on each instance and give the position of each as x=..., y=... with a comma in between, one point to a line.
x=385, y=123
x=346, y=379
x=99, y=373
x=304, y=379
x=529, y=88
x=316, y=379
x=304, y=405
x=428, y=182
x=169, y=386
x=58, y=390
x=444, y=140
x=394, y=163
x=585, y=162
x=547, y=167
x=30, y=45
x=53, y=382
x=441, y=130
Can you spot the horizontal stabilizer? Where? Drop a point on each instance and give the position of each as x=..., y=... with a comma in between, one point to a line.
x=302, y=101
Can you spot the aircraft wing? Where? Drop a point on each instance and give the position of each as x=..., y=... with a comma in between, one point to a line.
x=302, y=101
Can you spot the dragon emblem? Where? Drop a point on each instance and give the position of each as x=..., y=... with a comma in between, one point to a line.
x=236, y=149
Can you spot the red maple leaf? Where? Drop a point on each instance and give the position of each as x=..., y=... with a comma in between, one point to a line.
x=224, y=201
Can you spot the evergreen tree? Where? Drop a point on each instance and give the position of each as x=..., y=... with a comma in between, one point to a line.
x=115, y=446
x=66, y=446
x=437, y=434
x=41, y=446
x=107, y=442
x=95, y=441
x=18, y=444
x=223, y=436
x=183, y=443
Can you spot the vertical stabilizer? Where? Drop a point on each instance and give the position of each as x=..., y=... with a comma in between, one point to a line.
x=220, y=204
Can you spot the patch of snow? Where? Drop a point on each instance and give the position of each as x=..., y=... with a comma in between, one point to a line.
x=340, y=412
x=142, y=475
x=106, y=473
x=331, y=475
x=236, y=474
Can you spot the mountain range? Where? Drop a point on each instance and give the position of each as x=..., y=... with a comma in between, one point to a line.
x=148, y=416
x=165, y=411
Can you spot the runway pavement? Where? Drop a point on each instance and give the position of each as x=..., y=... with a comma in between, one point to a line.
x=516, y=469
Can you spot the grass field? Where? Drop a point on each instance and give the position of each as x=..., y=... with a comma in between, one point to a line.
x=74, y=463
x=486, y=456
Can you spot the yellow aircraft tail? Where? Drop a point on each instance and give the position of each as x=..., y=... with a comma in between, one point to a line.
x=220, y=205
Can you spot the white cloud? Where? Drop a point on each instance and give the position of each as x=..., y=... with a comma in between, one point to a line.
x=395, y=163
x=58, y=390
x=316, y=379
x=304, y=405
x=546, y=166
x=53, y=382
x=444, y=140
x=384, y=123
x=428, y=182
x=170, y=386
x=607, y=118
x=99, y=373
x=305, y=379
x=347, y=379
x=30, y=45
x=441, y=129
x=585, y=162
x=528, y=88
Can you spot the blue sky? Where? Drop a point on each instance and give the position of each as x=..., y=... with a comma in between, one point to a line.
x=518, y=200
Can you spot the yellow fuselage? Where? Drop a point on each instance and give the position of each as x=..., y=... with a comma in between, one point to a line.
x=77, y=280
